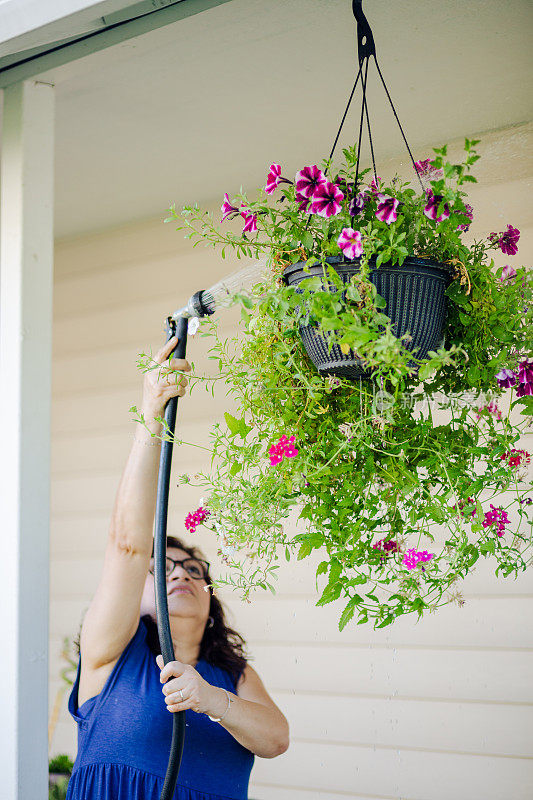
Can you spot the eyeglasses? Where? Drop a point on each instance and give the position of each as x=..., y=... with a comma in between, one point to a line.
x=197, y=568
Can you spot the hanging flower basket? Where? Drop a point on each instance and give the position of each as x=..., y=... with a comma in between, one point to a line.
x=399, y=508
x=415, y=302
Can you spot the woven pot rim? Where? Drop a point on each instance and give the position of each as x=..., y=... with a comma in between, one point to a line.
x=413, y=261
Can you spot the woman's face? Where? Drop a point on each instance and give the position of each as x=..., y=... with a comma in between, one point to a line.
x=187, y=596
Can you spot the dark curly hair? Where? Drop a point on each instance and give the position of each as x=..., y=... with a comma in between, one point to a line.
x=221, y=645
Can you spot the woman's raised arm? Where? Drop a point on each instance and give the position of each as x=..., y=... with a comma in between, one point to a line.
x=113, y=615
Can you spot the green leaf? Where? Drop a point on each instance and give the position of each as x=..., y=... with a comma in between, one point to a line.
x=347, y=614
x=235, y=467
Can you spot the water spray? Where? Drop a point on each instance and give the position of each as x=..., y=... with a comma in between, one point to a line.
x=203, y=303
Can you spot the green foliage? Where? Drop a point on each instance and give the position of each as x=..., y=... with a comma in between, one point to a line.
x=61, y=763
x=368, y=471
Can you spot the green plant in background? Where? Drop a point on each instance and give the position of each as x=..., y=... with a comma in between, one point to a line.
x=399, y=505
x=60, y=765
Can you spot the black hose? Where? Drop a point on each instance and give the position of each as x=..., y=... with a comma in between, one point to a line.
x=160, y=554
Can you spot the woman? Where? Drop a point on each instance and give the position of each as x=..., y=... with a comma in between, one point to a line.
x=123, y=693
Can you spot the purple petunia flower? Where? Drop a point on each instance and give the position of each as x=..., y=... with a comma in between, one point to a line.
x=507, y=241
x=507, y=273
x=250, y=220
x=350, y=243
x=327, y=199
x=468, y=212
x=308, y=180
x=386, y=210
x=525, y=371
x=506, y=378
x=432, y=206
x=227, y=209
x=524, y=389
x=358, y=203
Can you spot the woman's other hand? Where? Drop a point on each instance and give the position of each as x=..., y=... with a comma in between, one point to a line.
x=185, y=688
x=163, y=382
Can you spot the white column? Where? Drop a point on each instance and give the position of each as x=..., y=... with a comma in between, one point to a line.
x=26, y=272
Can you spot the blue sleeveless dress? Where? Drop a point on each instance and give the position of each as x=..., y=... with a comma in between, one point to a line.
x=124, y=738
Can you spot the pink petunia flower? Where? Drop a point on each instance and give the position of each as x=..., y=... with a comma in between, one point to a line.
x=192, y=520
x=506, y=241
x=386, y=210
x=432, y=206
x=426, y=169
x=250, y=220
x=274, y=178
x=227, y=209
x=375, y=187
x=413, y=557
x=507, y=273
x=350, y=242
x=506, y=378
x=305, y=203
x=327, y=199
x=308, y=180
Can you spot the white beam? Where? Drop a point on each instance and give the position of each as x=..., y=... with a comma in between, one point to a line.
x=26, y=272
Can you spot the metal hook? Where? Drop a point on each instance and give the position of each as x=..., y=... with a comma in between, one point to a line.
x=365, y=39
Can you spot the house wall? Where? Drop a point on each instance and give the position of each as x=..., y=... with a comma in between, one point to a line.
x=419, y=711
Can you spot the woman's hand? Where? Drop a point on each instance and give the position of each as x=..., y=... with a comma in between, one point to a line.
x=163, y=382
x=185, y=688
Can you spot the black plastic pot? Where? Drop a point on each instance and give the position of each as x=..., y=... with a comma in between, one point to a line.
x=416, y=304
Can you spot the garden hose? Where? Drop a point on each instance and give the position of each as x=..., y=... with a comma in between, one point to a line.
x=178, y=329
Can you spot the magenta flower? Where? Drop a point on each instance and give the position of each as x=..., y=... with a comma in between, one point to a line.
x=304, y=203
x=274, y=178
x=506, y=378
x=507, y=273
x=525, y=371
x=327, y=199
x=506, y=241
x=227, y=209
x=283, y=449
x=492, y=408
x=468, y=212
x=524, y=389
x=308, y=180
x=386, y=545
x=426, y=169
x=516, y=458
x=250, y=220
x=358, y=203
x=432, y=206
x=498, y=517
x=386, y=210
x=375, y=185
x=193, y=520
x=413, y=557
x=350, y=243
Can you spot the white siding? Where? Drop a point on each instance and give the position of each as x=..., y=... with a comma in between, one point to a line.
x=431, y=710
